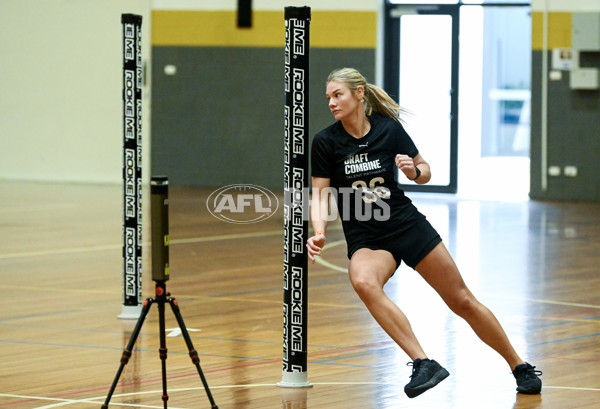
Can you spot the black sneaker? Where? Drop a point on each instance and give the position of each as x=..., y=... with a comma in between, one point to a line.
x=426, y=373
x=527, y=379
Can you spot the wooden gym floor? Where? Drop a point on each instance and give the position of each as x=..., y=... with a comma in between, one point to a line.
x=536, y=265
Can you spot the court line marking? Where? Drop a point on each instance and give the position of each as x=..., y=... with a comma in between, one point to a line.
x=109, y=348
x=258, y=360
x=321, y=261
x=101, y=399
x=48, y=289
x=71, y=250
x=566, y=304
x=49, y=314
x=191, y=240
x=327, y=264
x=556, y=341
x=94, y=401
x=573, y=388
x=564, y=321
x=65, y=401
x=105, y=247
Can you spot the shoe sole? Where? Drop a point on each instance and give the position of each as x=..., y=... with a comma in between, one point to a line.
x=529, y=391
x=438, y=377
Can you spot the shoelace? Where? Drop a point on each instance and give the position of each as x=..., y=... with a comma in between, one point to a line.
x=531, y=372
x=414, y=368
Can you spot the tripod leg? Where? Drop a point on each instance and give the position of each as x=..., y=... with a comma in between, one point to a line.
x=163, y=346
x=127, y=351
x=193, y=353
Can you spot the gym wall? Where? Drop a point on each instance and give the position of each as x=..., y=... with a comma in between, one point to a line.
x=61, y=108
x=219, y=119
x=565, y=121
x=217, y=89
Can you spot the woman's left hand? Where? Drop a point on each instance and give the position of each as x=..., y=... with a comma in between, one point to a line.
x=407, y=165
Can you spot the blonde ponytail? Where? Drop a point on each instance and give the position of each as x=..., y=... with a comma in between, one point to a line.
x=376, y=100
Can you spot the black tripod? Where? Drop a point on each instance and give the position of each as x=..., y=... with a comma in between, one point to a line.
x=161, y=299
x=160, y=274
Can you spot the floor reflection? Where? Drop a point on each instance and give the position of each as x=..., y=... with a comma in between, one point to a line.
x=129, y=382
x=294, y=398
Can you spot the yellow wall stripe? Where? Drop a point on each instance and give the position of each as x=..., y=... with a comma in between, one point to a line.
x=559, y=30
x=329, y=29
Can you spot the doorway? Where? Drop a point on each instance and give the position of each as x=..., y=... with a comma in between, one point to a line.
x=421, y=73
x=483, y=152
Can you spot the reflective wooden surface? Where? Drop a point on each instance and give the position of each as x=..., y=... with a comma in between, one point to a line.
x=535, y=265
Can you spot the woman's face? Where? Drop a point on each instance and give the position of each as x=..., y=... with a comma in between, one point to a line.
x=343, y=103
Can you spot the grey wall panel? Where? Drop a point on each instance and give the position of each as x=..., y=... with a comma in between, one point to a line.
x=219, y=119
x=573, y=138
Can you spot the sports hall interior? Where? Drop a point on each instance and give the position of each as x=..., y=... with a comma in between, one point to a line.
x=523, y=222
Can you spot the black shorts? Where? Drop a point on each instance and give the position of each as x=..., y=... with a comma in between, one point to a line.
x=411, y=246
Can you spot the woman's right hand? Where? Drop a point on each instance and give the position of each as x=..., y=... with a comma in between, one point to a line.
x=314, y=245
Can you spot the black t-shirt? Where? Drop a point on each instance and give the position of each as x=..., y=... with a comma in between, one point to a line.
x=363, y=175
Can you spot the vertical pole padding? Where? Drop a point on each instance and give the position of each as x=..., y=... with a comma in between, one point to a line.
x=295, y=256
x=132, y=165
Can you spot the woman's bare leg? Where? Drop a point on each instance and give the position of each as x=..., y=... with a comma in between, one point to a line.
x=369, y=270
x=440, y=271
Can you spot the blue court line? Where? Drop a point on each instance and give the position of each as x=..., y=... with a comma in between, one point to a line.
x=346, y=365
x=325, y=361
x=193, y=336
x=121, y=349
x=332, y=360
x=8, y=341
x=99, y=331
x=554, y=324
x=319, y=362
x=565, y=339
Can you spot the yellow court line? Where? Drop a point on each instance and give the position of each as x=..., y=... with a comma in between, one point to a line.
x=228, y=237
x=566, y=319
x=321, y=261
x=191, y=240
x=567, y=304
x=54, y=290
x=73, y=250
